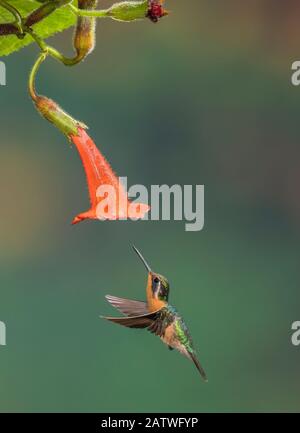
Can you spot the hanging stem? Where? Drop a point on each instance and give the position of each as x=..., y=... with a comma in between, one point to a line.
x=53, y=52
x=32, y=75
x=48, y=108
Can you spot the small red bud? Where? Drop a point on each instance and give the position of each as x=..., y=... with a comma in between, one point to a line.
x=156, y=10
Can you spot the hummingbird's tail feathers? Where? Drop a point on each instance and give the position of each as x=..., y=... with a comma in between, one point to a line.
x=128, y=307
x=133, y=322
x=198, y=366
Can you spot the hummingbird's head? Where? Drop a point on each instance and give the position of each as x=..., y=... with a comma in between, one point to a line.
x=158, y=283
x=160, y=287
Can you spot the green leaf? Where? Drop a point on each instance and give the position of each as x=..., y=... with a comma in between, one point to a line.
x=58, y=21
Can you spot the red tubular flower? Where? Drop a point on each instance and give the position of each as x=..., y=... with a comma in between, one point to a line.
x=103, y=182
x=108, y=197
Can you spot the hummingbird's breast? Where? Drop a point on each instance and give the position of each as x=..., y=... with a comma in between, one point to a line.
x=170, y=338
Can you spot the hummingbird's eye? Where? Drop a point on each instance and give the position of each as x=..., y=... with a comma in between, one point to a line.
x=156, y=280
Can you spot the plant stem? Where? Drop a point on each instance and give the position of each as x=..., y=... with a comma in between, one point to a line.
x=125, y=11
x=32, y=76
x=65, y=60
x=89, y=13
x=53, y=52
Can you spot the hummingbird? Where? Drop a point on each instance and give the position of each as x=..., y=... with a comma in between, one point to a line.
x=156, y=315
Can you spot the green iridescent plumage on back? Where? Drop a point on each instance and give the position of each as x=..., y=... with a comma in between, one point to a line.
x=183, y=334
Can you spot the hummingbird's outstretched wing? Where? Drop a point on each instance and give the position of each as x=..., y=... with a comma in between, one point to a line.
x=129, y=307
x=156, y=322
x=144, y=321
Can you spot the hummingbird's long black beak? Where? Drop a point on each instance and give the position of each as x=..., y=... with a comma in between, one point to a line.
x=142, y=258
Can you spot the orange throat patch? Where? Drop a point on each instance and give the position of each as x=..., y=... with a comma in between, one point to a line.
x=152, y=303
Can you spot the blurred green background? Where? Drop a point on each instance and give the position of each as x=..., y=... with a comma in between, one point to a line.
x=204, y=97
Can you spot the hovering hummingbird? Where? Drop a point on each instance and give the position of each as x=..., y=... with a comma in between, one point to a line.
x=156, y=315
